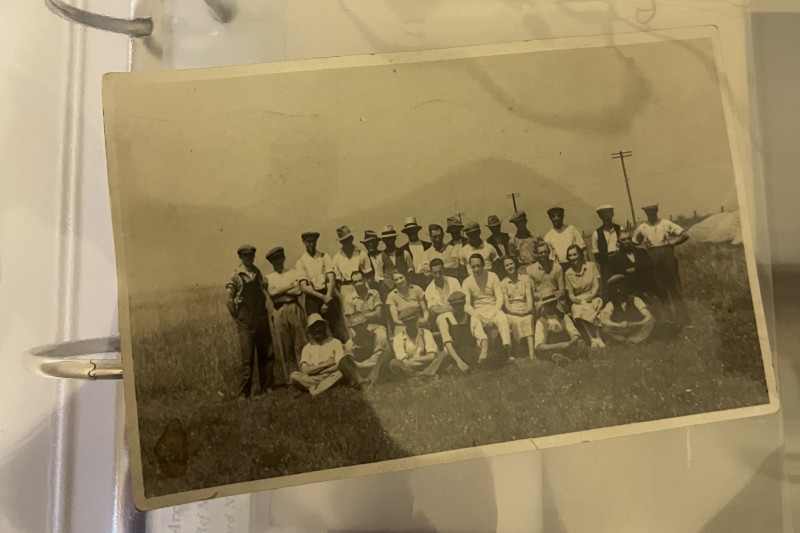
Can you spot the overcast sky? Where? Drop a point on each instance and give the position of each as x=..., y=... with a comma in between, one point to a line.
x=206, y=164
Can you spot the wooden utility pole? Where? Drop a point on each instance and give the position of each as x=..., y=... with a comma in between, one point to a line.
x=514, y=196
x=621, y=155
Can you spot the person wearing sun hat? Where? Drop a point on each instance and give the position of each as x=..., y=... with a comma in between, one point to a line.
x=318, y=284
x=323, y=361
x=476, y=245
x=416, y=248
x=523, y=242
x=287, y=315
x=660, y=236
x=347, y=260
x=605, y=238
x=393, y=259
x=500, y=241
x=247, y=305
x=371, y=241
x=561, y=236
x=626, y=319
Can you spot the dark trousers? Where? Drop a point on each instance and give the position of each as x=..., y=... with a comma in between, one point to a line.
x=255, y=344
x=668, y=280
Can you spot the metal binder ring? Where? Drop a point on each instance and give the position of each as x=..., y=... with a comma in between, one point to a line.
x=138, y=27
x=78, y=359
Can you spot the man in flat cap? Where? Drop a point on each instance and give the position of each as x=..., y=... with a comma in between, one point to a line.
x=447, y=253
x=416, y=248
x=462, y=334
x=347, y=260
x=660, y=236
x=393, y=259
x=318, y=283
x=288, y=318
x=369, y=340
x=499, y=240
x=323, y=361
x=476, y=245
x=247, y=304
x=625, y=318
x=523, y=242
x=561, y=236
x=605, y=238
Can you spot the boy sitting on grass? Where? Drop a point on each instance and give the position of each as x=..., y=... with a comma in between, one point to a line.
x=556, y=337
x=323, y=362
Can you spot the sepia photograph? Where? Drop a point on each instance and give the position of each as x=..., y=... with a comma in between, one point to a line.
x=343, y=266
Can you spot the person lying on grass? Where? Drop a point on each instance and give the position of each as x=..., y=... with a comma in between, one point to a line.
x=415, y=350
x=556, y=337
x=625, y=318
x=462, y=334
x=323, y=362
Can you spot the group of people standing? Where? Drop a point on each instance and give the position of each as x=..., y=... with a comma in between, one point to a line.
x=363, y=315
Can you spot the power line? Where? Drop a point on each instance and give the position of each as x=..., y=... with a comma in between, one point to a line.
x=514, y=196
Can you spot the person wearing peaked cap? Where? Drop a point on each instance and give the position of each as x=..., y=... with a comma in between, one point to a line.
x=500, y=241
x=347, y=260
x=660, y=236
x=247, y=305
x=463, y=335
x=476, y=245
x=561, y=236
x=416, y=248
x=369, y=340
x=626, y=318
x=318, y=284
x=555, y=336
x=323, y=361
x=288, y=320
x=392, y=259
x=415, y=350
x=605, y=238
x=523, y=242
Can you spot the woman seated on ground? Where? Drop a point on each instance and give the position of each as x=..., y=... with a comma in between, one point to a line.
x=556, y=337
x=625, y=318
x=323, y=362
x=518, y=302
x=406, y=296
x=582, y=280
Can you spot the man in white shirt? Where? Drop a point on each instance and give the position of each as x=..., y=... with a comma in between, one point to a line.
x=562, y=236
x=660, y=236
x=476, y=245
x=347, y=260
x=441, y=250
x=318, y=284
x=287, y=316
x=415, y=351
x=439, y=289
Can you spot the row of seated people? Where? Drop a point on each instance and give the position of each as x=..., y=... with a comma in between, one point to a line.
x=468, y=330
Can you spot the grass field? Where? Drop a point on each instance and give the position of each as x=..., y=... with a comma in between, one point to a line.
x=186, y=360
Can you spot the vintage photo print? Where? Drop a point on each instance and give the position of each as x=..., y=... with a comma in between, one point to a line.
x=342, y=266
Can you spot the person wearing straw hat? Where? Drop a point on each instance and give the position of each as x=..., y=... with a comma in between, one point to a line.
x=660, y=236
x=247, y=305
x=323, y=361
x=347, y=260
x=605, y=238
x=500, y=241
x=555, y=336
x=288, y=317
x=415, y=350
x=416, y=248
x=561, y=236
x=626, y=319
x=523, y=242
x=363, y=312
x=318, y=284
x=457, y=241
x=476, y=245
x=393, y=259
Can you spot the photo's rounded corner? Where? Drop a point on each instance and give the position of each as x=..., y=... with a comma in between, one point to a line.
x=141, y=502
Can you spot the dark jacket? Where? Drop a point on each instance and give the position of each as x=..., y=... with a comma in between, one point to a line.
x=602, y=245
x=639, y=273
